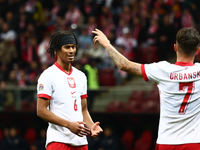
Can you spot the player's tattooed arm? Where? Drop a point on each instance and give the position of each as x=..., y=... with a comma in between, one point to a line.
x=122, y=62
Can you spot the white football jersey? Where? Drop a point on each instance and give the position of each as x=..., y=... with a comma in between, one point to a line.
x=65, y=92
x=179, y=88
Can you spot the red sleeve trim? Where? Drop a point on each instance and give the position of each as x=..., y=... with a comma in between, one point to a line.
x=144, y=73
x=84, y=96
x=44, y=96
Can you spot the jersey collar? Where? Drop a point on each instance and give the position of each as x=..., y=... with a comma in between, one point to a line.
x=184, y=64
x=59, y=67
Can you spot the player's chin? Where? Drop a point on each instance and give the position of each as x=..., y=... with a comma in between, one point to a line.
x=70, y=60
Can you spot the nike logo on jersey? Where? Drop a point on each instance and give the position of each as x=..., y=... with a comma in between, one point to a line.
x=73, y=92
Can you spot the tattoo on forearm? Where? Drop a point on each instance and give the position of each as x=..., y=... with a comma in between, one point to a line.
x=123, y=63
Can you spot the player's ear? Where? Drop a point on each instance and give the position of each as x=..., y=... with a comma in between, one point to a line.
x=198, y=50
x=175, y=47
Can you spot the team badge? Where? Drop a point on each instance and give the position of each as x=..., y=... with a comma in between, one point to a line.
x=41, y=87
x=71, y=82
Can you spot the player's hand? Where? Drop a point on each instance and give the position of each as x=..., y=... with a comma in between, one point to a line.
x=78, y=129
x=96, y=129
x=101, y=38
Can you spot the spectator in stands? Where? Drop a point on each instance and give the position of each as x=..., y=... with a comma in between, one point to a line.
x=8, y=52
x=30, y=31
x=127, y=139
x=91, y=25
x=27, y=44
x=4, y=142
x=40, y=142
x=22, y=23
x=109, y=140
x=144, y=142
x=10, y=20
x=54, y=13
x=128, y=42
x=12, y=81
x=4, y=72
x=151, y=34
x=119, y=29
x=187, y=19
x=91, y=73
x=44, y=57
x=7, y=33
x=105, y=15
x=175, y=15
x=126, y=14
x=2, y=96
x=30, y=135
x=166, y=38
x=22, y=19
x=33, y=73
x=85, y=40
x=22, y=80
x=106, y=26
x=135, y=28
x=32, y=50
x=35, y=9
x=72, y=16
x=10, y=95
x=13, y=141
x=95, y=51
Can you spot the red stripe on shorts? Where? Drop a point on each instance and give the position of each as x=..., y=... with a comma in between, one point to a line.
x=63, y=146
x=190, y=146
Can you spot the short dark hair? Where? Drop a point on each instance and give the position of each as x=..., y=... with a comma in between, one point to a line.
x=188, y=40
x=54, y=42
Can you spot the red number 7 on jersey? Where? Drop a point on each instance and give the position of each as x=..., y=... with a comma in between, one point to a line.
x=188, y=95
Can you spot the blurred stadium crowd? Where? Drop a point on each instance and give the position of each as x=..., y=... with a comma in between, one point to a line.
x=142, y=30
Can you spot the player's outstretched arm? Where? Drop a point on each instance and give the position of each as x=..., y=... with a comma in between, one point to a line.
x=94, y=127
x=121, y=62
x=45, y=114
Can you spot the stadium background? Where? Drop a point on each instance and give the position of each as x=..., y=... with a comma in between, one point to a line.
x=127, y=106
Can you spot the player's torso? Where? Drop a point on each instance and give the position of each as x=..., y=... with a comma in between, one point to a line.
x=66, y=97
x=180, y=102
x=180, y=90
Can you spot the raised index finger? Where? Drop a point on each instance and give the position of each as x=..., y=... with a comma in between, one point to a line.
x=95, y=32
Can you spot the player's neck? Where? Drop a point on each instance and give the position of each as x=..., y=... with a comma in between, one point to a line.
x=185, y=59
x=65, y=66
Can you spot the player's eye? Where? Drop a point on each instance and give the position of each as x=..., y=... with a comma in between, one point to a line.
x=67, y=47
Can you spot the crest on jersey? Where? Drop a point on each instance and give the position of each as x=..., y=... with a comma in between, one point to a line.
x=41, y=87
x=71, y=82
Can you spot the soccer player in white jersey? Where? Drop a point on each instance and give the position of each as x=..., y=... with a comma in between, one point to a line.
x=179, y=88
x=62, y=93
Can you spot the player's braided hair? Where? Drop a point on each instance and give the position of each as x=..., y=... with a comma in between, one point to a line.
x=55, y=41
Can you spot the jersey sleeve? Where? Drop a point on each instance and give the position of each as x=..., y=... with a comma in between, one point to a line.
x=153, y=71
x=44, y=86
x=84, y=92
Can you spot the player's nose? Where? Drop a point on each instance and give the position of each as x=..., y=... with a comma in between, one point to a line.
x=71, y=50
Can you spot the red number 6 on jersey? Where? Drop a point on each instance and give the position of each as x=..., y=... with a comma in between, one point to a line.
x=188, y=95
x=75, y=105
